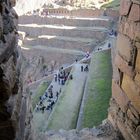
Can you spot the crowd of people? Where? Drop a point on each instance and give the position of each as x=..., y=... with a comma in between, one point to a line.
x=61, y=76
x=113, y=32
x=86, y=69
x=51, y=99
x=50, y=96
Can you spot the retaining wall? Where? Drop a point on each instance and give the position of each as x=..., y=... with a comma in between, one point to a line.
x=124, y=111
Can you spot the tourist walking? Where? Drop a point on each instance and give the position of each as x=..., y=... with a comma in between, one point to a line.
x=55, y=77
x=82, y=68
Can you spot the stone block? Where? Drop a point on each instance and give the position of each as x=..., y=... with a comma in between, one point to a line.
x=134, y=14
x=137, y=32
x=138, y=61
x=129, y=28
x=120, y=97
x=136, y=1
x=125, y=6
x=137, y=78
x=124, y=47
x=123, y=65
x=123, y=130
x=138, y=131
x=132, y=117
x=134, y=111
x=130, y=126
x=132, y=91
x=137, y=45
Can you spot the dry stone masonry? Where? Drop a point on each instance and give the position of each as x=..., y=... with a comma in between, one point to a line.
x=14, y=103
x=124, y=111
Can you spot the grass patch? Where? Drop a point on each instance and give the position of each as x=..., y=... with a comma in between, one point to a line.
x=98, y=90
x=113, y=4
x=40, y=91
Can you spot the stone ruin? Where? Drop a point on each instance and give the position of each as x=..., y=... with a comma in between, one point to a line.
x=124, y=110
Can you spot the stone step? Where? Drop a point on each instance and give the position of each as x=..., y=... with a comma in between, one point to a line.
x=81, y=22
x=35, y=30
x=82, y=44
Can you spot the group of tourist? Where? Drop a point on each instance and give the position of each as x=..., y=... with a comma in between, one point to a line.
x=86, y=69
x=61, y=76
x=51, y=99
x=113, y=33
x=49, y=95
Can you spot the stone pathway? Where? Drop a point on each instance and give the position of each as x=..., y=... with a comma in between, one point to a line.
x=66, y=110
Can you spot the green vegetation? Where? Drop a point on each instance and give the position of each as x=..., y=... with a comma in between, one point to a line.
x=98, y=90
x=113, y=4
x=40, y=91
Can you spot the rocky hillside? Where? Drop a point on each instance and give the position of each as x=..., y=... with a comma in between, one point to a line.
x=23, y=6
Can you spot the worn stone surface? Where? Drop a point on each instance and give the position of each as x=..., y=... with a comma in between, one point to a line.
x=137, y=78
x=129, y=87
x=119, y=96
x=124, y=113
x=138, y=131
x=123, y=65
x=124, y=47
x=138, y=61
x=11, y=86
x=125, y=6
x=134, y=14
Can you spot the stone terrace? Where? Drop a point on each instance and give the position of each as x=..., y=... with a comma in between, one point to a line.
x=70, y=34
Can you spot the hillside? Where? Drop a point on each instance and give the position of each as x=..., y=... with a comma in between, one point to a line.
x=23, y=6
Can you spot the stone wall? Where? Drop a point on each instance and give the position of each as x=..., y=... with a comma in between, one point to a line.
x=83, y=12
x=124, y=111
x=97, y=22
x=12, y=97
